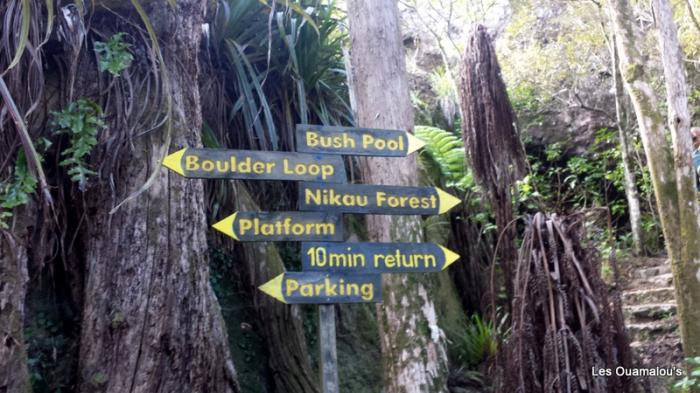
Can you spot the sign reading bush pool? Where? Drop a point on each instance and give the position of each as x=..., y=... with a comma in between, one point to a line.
x=356, y=141
x=376, y=257
x=319, y=288
x=257, y=165
x=374, y=199
x=282, y=226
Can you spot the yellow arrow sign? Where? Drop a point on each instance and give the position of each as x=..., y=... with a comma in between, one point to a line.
x=313, y=138
x=282, y=226
x=323, y=288
x=375, y=257
x=374, y=199
x=256, y=165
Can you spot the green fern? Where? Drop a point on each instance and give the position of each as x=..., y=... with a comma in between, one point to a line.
x=17, y=192
x=446, y=150
x=114, y=55
x=82, y=120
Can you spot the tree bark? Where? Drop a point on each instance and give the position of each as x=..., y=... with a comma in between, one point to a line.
x=686, y=268
x=281, y=324
x=14, y=375
x=671, y=172
x=151, y=322
x=630, y=182
x=412, y=344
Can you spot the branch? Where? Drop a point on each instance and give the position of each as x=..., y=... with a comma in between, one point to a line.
x=692, y=15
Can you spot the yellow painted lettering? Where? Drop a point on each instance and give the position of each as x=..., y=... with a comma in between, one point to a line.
x=290, y=287
x=367, y=290
x=244, y=225
x=192, y=163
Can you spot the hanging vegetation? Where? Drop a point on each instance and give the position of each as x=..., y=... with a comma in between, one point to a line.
x=564, y=322
x=492, y=142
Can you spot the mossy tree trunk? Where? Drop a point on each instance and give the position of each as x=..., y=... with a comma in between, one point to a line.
x=151, y=322
x=14, y=375
x=670, y=168
x=630, y=183
x=413, y=346
x=686, y=267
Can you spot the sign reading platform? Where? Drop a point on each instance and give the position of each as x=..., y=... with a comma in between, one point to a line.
x=282, y=226
x=376, y=257
x=256, y=165
x=372, y=199
x=320, y=288
x=355, y=141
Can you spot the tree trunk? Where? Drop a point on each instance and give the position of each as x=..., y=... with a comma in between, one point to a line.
x=492, y=143
x=686, y=268
x=412, y=344
x=282, y=325
x=151, y=322
x=672, y=178
x=14, y=376
x=630, y=182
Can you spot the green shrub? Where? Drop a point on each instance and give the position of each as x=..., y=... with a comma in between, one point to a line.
x=475, y=343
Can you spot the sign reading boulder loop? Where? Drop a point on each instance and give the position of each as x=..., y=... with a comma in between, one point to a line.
x=323, y=288
x=256, y=165
x=375, y=257
x=374, y=199
x=282, y=226
x=355, y=141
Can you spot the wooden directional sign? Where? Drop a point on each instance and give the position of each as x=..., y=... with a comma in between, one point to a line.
x=256, y=165
x=356, y=141
x=282, y=226
x=373, y=199
x=320, y=288
x=376, y=257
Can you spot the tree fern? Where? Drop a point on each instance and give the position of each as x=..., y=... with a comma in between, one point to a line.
x=446, y=151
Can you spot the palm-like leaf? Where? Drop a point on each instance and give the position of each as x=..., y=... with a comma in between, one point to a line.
x=446, y=151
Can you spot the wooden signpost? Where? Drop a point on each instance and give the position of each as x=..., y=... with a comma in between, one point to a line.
x=324, y=288
x=256, y=165
x=313, y=138
x=375, y=257
x=333, y=272
x=282, y=226
x=371, y=199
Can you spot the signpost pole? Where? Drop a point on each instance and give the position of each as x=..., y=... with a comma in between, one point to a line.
x=329, y=359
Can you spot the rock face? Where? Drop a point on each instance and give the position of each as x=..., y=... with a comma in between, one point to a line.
x=650, y=315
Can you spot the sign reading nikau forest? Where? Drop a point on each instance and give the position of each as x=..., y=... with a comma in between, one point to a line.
x=257, y=165
x=355, y=141
x=282, y=226
x=376, y=257
x=371, y=199
x=315, y=288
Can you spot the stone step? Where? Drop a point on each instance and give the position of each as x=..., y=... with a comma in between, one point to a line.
x=661, y=280
x=650, y=272
x=649, y=312
x=644, y=332
x=651, y=295
x=663, y=351
x=640, y=263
